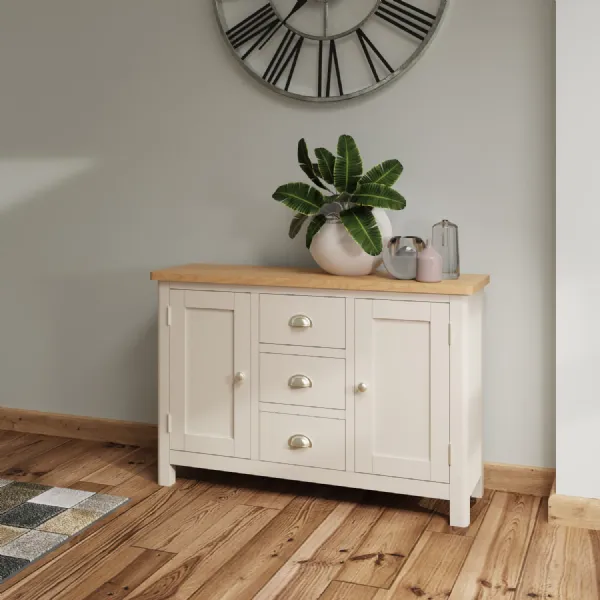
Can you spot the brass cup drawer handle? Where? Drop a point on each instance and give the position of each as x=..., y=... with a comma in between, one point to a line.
x=300, y=322
x=299, y=441
x=297, y=382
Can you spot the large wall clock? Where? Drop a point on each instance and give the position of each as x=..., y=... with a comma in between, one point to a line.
x=327, y=50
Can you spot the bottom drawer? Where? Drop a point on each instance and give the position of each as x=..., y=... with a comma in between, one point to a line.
x=325, y=438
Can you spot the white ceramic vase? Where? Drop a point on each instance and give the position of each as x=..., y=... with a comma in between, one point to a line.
x=336, y=252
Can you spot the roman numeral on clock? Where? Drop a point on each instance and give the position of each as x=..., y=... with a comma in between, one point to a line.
x=287, y=52
x=259, y=24
x=406, y=17
x=366, y=43
x=332, y=64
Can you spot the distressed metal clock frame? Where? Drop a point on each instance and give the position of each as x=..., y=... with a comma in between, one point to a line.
x=414, y=57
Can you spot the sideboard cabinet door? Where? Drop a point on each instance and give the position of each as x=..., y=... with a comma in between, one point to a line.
x=402, y=408
x=209, y=372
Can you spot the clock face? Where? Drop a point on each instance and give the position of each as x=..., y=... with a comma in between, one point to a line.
x=327, y=50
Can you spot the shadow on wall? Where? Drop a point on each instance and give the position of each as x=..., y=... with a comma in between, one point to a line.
x=78, y=237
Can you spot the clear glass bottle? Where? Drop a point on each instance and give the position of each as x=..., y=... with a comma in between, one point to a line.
x=445, y=241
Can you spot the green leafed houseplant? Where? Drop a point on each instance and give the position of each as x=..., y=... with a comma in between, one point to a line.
x=344, y=209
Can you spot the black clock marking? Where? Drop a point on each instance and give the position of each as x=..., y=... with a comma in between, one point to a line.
x=364, y=41
x=264, y=19
x=406, y=17
x=287, y=52
x=333, y=62
x=296, y=53
x=320, y=74
x=278, y=56
x=265, y=32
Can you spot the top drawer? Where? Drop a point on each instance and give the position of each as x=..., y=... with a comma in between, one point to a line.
x=303, y=321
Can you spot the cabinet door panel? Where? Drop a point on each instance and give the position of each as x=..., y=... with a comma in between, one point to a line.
x=402, y=419
x=210, y=343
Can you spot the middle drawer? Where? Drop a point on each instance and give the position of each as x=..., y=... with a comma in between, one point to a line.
x=303, y=380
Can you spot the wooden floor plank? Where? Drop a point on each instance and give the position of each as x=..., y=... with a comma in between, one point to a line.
x=191, y=568
x=338, y=590
x=432, y=568
x=179, y=530
x=131, y=576
x=8, y=437
x=32, y=468
x=24, y=450
x=12, y=440
x=316, y=563
x=88, y=486
x=494, y=564
x=243, y=576
x=385, y=549
x=93, y=578
x=83, y=465
x=120, y=470
x=563, y=563
x=441, y=509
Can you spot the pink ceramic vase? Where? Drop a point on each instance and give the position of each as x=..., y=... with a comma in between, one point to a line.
x=429, y=265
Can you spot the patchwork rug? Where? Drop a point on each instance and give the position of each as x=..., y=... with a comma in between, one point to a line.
x=35, y=519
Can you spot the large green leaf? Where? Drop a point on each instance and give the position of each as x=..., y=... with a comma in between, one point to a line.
x=306, y=164
x=377, y=195
x=313, y=228
x=300, y=197
x=326, y=164
x=387, y=173
x=348, y=165
x=362, y=226
x=296, y=224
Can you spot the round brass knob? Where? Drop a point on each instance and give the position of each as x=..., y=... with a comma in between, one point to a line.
x=239, y=377
x=362, y=387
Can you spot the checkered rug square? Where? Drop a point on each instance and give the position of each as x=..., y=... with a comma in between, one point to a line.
x=35, y=519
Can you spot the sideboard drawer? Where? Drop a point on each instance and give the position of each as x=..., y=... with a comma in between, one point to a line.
x=303, y=380
x=303, y=320
x=326, y=439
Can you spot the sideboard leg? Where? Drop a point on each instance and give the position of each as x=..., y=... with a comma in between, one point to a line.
x=478, y=490
x=166, y=474
x=460, y=511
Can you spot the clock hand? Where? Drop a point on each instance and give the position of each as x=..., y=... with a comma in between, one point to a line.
x=299, y=4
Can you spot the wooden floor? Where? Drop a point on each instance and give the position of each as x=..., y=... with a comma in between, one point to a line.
x=221, y=536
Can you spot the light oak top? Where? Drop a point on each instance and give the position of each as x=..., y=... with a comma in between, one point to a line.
x=293, y=277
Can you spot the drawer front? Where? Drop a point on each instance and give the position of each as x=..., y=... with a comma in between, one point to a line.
x=303, y=380
x=303, y=321
x=327, y=439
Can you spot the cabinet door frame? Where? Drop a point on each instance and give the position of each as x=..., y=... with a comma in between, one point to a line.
x=366, y=459
x=239, y=304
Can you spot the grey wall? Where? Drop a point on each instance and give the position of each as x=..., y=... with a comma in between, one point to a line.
x=130, y=140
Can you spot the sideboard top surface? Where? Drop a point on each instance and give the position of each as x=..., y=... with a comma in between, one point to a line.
x=294, y=277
